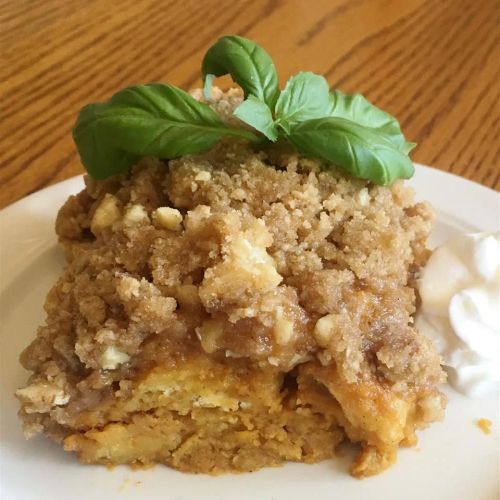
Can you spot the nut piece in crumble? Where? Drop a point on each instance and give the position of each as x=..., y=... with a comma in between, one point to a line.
x=234, y=310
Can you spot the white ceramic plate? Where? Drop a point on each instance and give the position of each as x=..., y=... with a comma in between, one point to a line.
x=453, y=460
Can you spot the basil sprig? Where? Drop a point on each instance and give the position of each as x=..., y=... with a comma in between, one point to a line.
x=346, y=130
x=162, y=120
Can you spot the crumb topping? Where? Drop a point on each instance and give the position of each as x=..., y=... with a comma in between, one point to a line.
x=265, y=260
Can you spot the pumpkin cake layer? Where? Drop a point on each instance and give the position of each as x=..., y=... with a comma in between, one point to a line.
x=235, y=310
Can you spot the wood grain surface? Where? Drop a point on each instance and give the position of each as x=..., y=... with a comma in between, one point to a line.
x=432, y=63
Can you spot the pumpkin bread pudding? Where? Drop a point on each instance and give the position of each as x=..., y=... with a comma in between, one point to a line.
x=235, y=310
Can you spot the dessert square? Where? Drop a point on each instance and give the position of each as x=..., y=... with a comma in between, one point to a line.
x=235, y=310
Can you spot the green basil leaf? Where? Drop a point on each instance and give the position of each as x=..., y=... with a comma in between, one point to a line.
x=249, y=65
x=175, y=123
x=364, y=152
x=356, y=108
x=154, y=119
x=257, y=114
x=100, y=158
x=305, y=96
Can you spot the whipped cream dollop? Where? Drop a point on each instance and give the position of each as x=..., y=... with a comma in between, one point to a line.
x=460, y=310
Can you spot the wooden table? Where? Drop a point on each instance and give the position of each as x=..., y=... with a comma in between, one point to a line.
x=432, y=63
